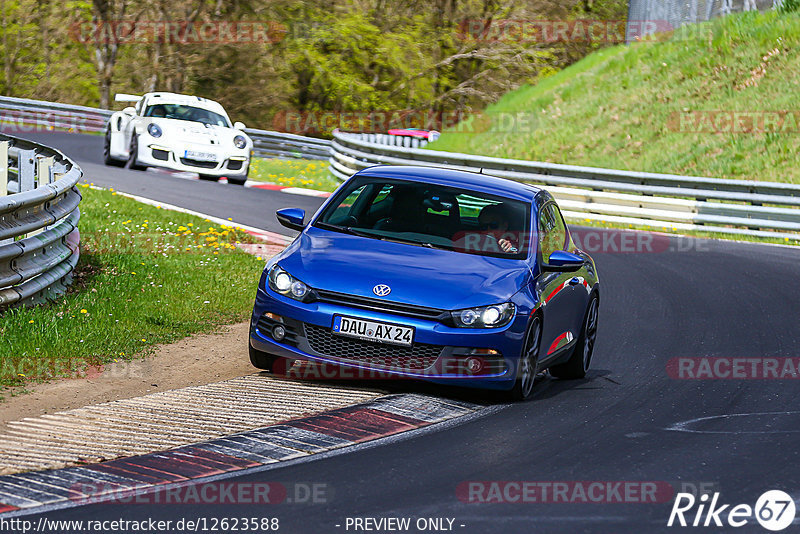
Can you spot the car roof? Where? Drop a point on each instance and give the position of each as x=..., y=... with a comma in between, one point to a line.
x=484, y=183
x=186, y=100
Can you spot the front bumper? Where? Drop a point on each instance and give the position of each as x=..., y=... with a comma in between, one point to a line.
x=439, y=354
x=155, y=154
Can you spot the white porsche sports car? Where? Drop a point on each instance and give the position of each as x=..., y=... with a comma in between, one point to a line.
x=179, y=132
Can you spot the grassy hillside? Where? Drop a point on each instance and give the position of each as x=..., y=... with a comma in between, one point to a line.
x=629, y=107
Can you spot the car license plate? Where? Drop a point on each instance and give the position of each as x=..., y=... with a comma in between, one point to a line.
x=373, y=331
x=199, y=156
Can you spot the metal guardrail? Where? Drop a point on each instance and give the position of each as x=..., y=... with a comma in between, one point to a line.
x=39, y=216
x=743, y=207
x=26, y=115
x=32, y=115
x=285, y=145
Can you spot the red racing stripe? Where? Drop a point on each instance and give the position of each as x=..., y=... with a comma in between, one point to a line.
x=558, y=340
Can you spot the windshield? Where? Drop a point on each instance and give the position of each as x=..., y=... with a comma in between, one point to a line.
x=430, y=215
x=186, y=113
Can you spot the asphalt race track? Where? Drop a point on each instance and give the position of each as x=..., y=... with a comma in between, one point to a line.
x=252, y=207
x=629, y=420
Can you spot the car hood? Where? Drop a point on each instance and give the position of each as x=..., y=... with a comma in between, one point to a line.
x=417, y=275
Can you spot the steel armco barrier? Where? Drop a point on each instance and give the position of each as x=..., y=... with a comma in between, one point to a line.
x=743, y=207
x=285, y=145
x=26, y=115
x=39, y=215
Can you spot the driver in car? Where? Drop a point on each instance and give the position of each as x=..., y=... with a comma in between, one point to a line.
x=494, y=220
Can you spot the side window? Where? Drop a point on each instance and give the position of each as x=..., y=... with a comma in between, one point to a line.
x=552, y=232
x=561, y=228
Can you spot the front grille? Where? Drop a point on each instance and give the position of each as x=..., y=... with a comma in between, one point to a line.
x=201, y=164
x=416, y=358
x=368, y=303
x=161, y=155
x=235, y=164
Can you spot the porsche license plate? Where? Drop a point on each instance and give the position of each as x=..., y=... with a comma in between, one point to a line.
x=373, y=331
x=199, y=156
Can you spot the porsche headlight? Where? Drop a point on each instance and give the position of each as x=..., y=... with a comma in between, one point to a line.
x=493, y=316
x=239, y=141
x=284, y=283
x=154, y=130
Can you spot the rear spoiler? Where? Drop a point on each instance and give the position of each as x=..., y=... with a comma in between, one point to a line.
x=122, y=97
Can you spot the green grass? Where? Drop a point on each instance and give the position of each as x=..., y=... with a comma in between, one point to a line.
x=146, y=276
x=307, y=174
x=620, y=107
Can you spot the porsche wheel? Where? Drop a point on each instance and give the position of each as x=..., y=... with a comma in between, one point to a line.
x=107, y=159
x=134, y=150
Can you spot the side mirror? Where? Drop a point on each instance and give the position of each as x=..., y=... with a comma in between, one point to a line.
x=238, y=125
x=292, y=218
x=563, y=261
x=129, y=111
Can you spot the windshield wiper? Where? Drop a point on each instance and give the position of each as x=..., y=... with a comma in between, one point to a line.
x=346, y=229
x=425, y=244
x=392, y=239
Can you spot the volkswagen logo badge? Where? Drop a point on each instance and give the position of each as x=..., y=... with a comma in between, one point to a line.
x=381, y=290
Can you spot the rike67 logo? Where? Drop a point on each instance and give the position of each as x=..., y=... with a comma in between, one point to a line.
x=774, y=510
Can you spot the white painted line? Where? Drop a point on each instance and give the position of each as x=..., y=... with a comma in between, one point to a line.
x=305, y=192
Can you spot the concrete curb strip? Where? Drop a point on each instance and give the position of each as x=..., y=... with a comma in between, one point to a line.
x=295, y=438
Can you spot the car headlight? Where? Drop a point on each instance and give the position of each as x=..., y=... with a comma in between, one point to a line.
x=154, y=130
x=284, y=283
x=493, y=316
x=239, y=141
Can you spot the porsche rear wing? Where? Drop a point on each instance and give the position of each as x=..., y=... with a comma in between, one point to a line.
x=122, y=97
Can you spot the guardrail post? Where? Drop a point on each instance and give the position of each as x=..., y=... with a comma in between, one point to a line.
x=27, y=170
x=44, y=175
x=3, y=168
x=44, y=170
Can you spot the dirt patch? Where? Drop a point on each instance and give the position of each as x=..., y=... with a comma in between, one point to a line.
x=200, y=359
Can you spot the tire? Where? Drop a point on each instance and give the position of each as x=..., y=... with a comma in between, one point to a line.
x=107, y=159
x=581, y=356
x=209, y=178
x=237, y=181
x=134, y=150
x=528, y=362
x=262, y=360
